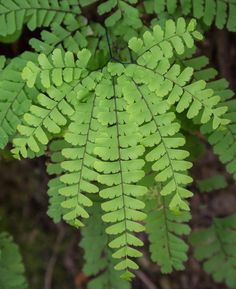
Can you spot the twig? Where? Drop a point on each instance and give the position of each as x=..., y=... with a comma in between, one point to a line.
x=53, y=259
x=146, y=281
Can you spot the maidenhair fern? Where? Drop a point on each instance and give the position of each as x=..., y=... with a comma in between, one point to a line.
x=220, y=12
x=215, y=182
x=164, y=228
x=216, y=245
x=11, y=266
x=110, y=93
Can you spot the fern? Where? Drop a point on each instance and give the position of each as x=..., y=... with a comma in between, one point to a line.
x=11, y=267
x=164, y=228
x=224, y=149
x=111, y=102
x=49, y=115
x=122, y=11
x=220, y=12
x=98, y=257
x=15, y=97
x=79, y=162
x=37, y=13
x=55, y=210
x=216, y=245
x=215, y=182
x=120, y=168
x=223, y=141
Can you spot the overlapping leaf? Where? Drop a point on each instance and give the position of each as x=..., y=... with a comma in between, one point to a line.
x=15, y=97
x=99, y=263
x=220, y=12
x=11, y=267
x=56, y=104
x=222, y=139
x=215, y=247
x=165, y=228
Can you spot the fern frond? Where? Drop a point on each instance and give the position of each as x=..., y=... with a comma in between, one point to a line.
x=222, y=139
x=37, y=13
x=15, y=97
x=165, y=228
x=121, y=11
x=160, y=134
x=120, y=168
x=11, y=267
x=170, y=81
x=220, y=12
x=216, y=245
x=74, y=35
x=50, y=113
x=163, y=42
x=60, y=67
x=55, y=210
x=99, y=263
x=78, y=165
x=213, y=183
x=70, y=37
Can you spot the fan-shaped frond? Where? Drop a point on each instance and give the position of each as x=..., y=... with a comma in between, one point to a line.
x=11, y=267
x=35, y=13
x=216, y=248
x=165, y=228
x=99, y=263
x=222, y=12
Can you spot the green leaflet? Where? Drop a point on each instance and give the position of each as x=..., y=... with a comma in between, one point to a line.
x=99, y=263
x=215, y=247
x=14, y=13
x=120, y=167
x=165, y=228
x=222, y=13
x=11, y=268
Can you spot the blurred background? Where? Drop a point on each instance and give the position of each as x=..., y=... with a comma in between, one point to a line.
x=51, y=254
